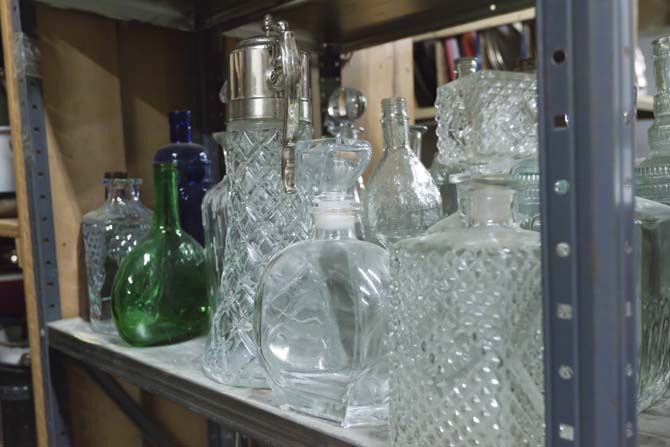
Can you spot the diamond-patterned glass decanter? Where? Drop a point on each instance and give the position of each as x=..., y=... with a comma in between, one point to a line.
x=466, y=334
x=110, y=233
x=653, y=174
x=320, y=318
x=467, y=135
x=266, y=117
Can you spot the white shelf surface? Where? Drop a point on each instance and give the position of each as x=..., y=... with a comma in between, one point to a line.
x=174, y=372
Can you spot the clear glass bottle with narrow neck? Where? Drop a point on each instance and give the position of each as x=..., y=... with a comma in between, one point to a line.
x=320, y=315
x=401, y=200
x=266, y=116
x=110, y=233
x=159, y=295
x=653, y=174
x=466, y=334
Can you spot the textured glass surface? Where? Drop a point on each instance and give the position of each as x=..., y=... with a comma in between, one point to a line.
x=487, y=121
x=653, y=174
x=652, y=230
x=320, y=320
x=467, y=366
x=401, y=199
x=260, y=219
x=159, y=295
x=214, y=225
x=110, y=232
x=527, y=200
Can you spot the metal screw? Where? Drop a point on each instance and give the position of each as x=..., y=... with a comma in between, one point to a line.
x=563, y=249
x=565, y=372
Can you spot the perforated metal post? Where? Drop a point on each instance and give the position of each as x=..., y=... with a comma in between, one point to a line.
x=586, y=158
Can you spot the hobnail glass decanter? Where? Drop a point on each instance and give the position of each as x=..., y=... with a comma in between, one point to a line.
x=159, y=295
x=110, y=232
x=194, y=171
x=653, y=174
x=320, y=317
x=401, y=200
x=260, y=218
x=469, y=139
x=652, y=231
x=467, y=364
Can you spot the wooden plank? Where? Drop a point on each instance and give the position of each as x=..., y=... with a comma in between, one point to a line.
x=381, y=72
x=9, y=227
x=16, y=124
x=477, y=25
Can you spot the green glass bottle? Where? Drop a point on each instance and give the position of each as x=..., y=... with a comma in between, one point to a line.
x=160, y=291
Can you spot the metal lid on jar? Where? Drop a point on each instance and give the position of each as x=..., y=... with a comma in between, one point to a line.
x=257, y=77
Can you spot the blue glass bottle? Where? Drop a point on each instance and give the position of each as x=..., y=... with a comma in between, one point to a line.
x=194, y=171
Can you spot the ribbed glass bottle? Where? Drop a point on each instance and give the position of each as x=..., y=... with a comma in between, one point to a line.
x=653, y=174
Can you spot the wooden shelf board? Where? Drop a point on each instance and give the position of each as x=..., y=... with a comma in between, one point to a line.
x=9, y=227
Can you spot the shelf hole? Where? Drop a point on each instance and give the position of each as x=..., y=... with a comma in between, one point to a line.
x=561, y=121
x=47, y=262
x=44, y=219
x=34, y=106
x=45, y=240
x=36, y=129
x=42, y=196
x=50, y=284
x=559, y=56
x=40, y=173
x=562, y=187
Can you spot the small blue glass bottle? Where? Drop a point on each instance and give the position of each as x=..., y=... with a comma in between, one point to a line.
x=194, y=171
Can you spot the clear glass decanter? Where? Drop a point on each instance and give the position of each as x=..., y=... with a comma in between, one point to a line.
x=652, y=232
x=401, y=200
x=260, y=217
x=320, y=315
x=159, y=295
x=467, y=365
x=110, y=233
x=653, y=174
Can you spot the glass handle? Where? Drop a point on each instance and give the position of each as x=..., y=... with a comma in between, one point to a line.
x=290, y=65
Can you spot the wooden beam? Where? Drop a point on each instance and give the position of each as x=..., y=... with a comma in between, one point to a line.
x=24, y=230
x=9, y=227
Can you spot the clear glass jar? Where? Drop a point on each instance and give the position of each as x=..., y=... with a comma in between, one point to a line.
x=466, y=335
x=320, y=316
x=401, y=200
x=110, y=233
x=653, y=174
x=260, y=219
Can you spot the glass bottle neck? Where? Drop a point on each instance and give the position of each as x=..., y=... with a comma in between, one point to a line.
x=395, y=133
x=119, y=191
x=334, y=222
x=166, y=209
x=486, y=205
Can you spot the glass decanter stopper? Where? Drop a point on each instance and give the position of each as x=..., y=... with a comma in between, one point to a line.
x=466, y=333
x=652, y=232
x=110, y=233
x=194, y=171
x=320, y=315
x=159, y=295
x=259, y=217
x=653, y=174
x=401, y=200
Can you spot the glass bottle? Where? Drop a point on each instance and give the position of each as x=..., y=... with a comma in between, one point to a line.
x=653, y=174
x=159, y=295
x=466, y=333
x=320, y=316
x=527, y=201
x=213, y=220
x=416, y=132
x=110, y=233
x=439, y=170
x=194, y=171
x=401, y=199
x=260, y=217
x=652, y=232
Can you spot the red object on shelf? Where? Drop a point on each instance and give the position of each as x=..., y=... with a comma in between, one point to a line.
x=12, y=297
x=469, y=44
